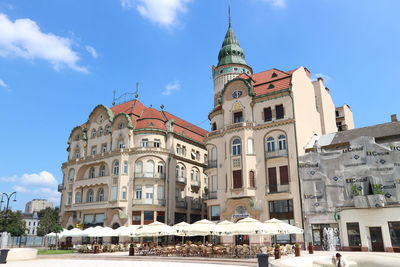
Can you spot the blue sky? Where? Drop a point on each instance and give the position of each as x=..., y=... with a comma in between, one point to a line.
x=59, y=59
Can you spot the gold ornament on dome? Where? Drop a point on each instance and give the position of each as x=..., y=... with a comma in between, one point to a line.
x=237, y=106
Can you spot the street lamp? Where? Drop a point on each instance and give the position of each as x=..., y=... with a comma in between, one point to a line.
x=8, y=197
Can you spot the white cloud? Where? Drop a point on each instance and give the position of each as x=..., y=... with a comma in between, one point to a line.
x=20, y=189
x=171, y=87
x=8, y=179
x=3, y=84
x=44, y=178
x=91, y=51
x=276, y=3
x=162, y=12
x=24, y=38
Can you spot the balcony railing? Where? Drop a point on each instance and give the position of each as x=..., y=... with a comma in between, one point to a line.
x=196, y=205
x=149, y=201
x=181, y=180
x=195, y=183
x=60, y=187
x=181, y=204
x=150, y=175
x=150, y=144
x=212, y=195
x=277, y=188
x=276, y=154
x=211, y=164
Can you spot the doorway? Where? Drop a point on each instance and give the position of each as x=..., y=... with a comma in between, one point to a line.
x=376, y=239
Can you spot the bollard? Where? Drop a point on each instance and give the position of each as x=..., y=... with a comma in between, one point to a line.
x=131, y=250
x=262, y=260
x=3, y=255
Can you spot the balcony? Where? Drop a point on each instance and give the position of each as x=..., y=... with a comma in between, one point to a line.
x=196, y=205
x=239, y=125
x=149, y=175
x=277, y=188
x=241, y=192
x=149, y=201
x=276, y=154
x=212, y=195
x=60, y=187
x=181, y=204
x=195, y=183
x=87, y=182
x=181, y=180
x=211, y=164
x=89, y=206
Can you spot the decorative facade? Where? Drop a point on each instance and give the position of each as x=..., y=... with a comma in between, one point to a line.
x=130, y=164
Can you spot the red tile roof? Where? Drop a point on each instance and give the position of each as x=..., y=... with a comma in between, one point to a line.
x=145, y=118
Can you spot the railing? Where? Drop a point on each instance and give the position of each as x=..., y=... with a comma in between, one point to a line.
x=232, y=126
x=150, y=144
x=212, y=195
x=181, y=180
x=211, y=164
x=276, y=154
x=181, y=204
x=149, y=175
x=195, y=183
x=150, y=201
x=277, y=188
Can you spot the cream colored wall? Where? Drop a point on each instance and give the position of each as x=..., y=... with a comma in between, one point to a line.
x=375, y=217
x=348, y=117
x=325, y=107
x=307, y=117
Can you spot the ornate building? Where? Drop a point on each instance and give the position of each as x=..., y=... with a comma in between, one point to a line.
x=130, y=164
x=260, y=124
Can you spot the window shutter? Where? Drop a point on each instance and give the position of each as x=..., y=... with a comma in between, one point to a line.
x=272, y=183
x=279, y=112
x=284, y=174
x=267, y=114
x=237, y=179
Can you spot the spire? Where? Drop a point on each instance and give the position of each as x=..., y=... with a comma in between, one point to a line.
x=230, y=52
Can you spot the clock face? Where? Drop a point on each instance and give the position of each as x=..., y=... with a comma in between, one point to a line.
x=237, y=94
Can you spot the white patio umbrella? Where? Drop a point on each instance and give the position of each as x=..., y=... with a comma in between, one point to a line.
x=250, y=226
x=74, y=233
x=203, y=227
x=222, y=228
x=283, y=227
x=155, y=229
x=100, y=231
x=181, y=229
x=127, y=230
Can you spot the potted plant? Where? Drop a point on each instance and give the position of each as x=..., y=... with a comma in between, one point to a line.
x=297, y=248
x=378, y=198
x=310, y=248
x=277, y=251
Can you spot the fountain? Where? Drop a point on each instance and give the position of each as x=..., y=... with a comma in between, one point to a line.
x=330, y=239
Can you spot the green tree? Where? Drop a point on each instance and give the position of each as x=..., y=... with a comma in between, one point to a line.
x=12, y=222
x=48, y=222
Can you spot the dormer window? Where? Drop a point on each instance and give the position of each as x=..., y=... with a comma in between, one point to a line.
x=271, y=86
x=214, y=126
x=274, y=75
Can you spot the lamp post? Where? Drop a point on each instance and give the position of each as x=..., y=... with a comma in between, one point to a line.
x=8, y=197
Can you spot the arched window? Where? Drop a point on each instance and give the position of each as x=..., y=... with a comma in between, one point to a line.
x=90, y=196
x=93, y=133
x=116, y=167
x=71, y=175
x=125, y=167
x=123, y=193
x=270, y=144
x=282, y=142
x=139, y=167
x=121, y=143
x=236, y=147
x=100, y=131
x=197, y=176
x=250, y=146
x=252, y=179
x=192, y=175
x=160, y=167
x=149, y=168
x=100, y=195
x=102, y=171
x=78, y=197
x=183, y=172
x=92, y=172
x=108, y=129
x=177, y=171
x=121, y=125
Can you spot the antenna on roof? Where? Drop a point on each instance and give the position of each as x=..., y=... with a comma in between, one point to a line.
x=229, y=13
x=162, y=107
x=114, y=92
x=137, y=91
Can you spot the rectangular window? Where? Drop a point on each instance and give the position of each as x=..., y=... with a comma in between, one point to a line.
x=94, y=150
x=236, y=163
x=267, y=114
x=237, y=179
x=88, y=218
x=353, y=233
x=394, y=230
x=160, y=192
x=281, y=206
x=184, y=150
x=272, y=181
x=279, y=112
x=114, y=193
x=99, y=218
x=157, y=143
x=148, y=216
x=193, y=155
x=144, y=142
x=178, y=149
x=136, y=217
x=103, y=148
x=284, y=175
x=138, y=192
x=215, y=213
x=337, y=113
x=121, y=144
x=77, y=154
x=160, y=216
x=214, y=183
x=149, y=194
x=237, y=117
x=69, y=200
x=214, y=126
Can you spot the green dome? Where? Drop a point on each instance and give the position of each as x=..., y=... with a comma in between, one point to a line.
x=231, y=52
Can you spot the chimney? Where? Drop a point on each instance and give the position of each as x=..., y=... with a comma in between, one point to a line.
x=393, y=117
